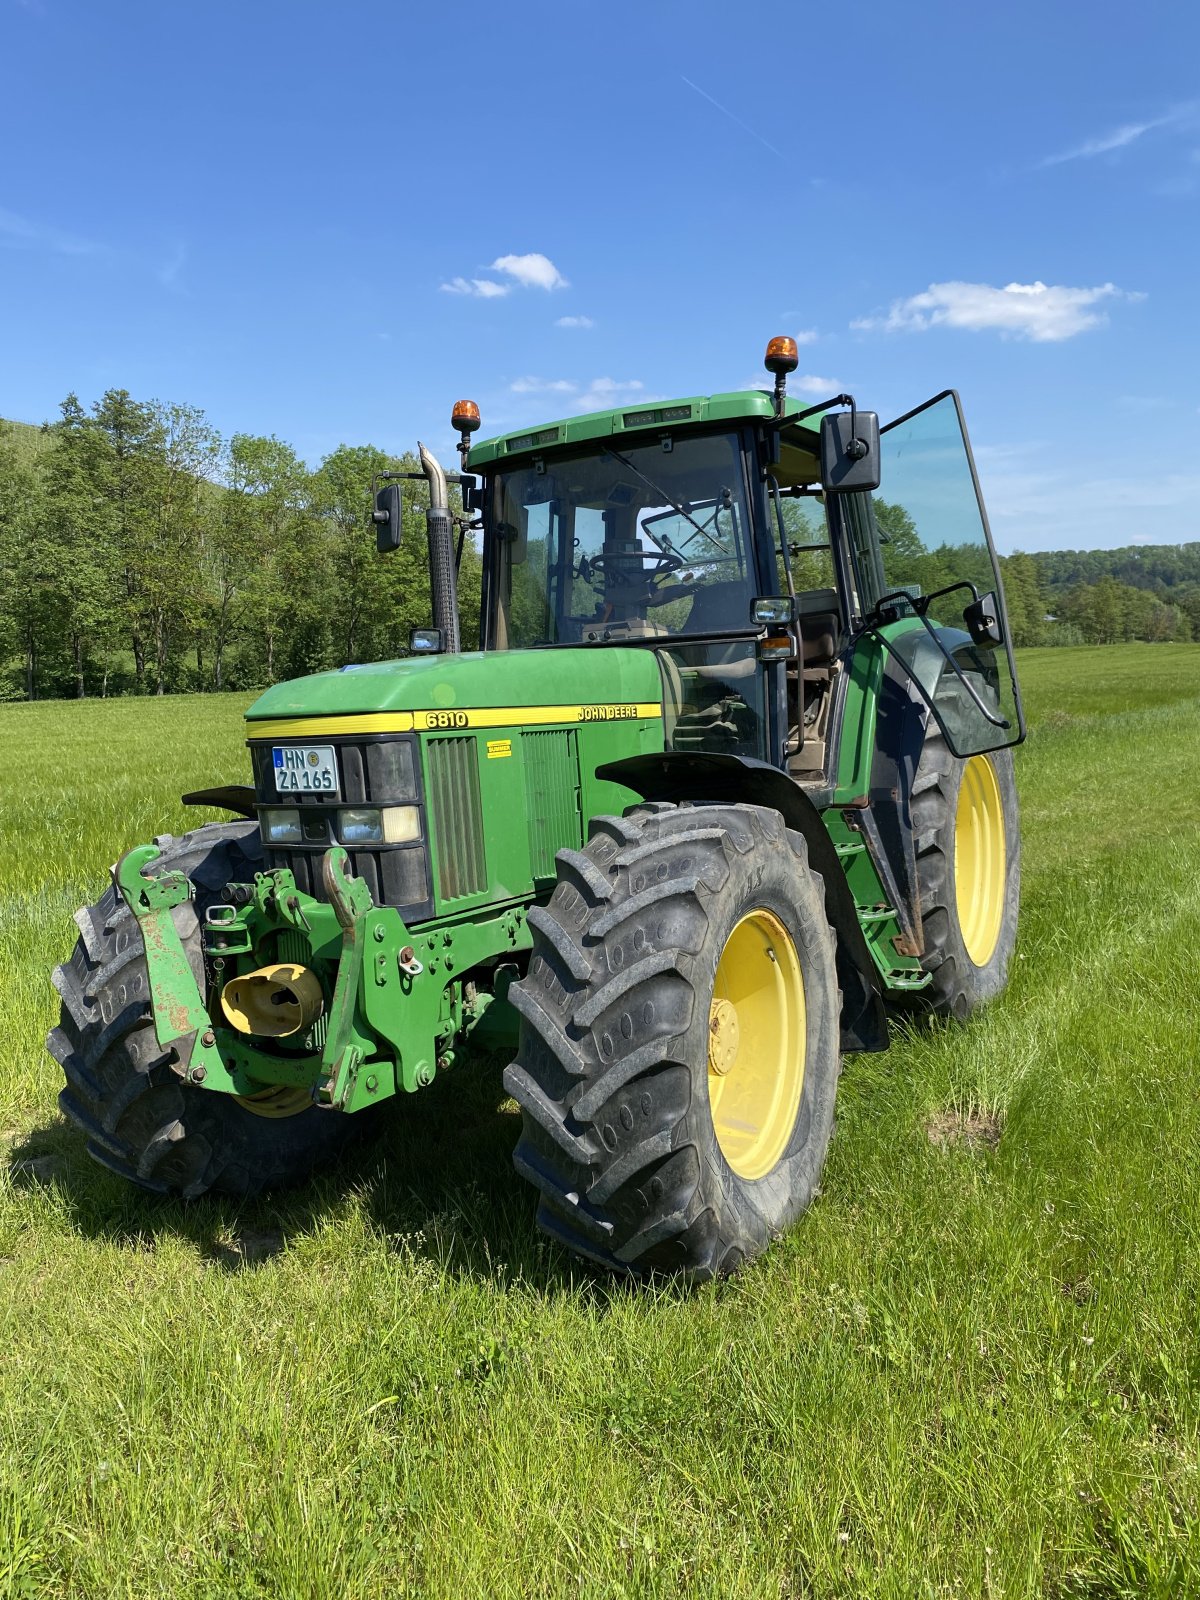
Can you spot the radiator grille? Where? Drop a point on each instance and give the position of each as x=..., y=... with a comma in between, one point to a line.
x=552, y=787
x=458, y=819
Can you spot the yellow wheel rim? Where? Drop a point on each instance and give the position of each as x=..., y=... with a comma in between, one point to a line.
x=979, y=859
x=756, y=1044
x=280, y=1100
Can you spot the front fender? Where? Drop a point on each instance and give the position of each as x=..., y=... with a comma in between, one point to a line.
x=734, y=780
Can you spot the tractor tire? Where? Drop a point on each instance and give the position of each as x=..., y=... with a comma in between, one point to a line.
x=968, y=838
x=679, y=1049
x=140, y=1119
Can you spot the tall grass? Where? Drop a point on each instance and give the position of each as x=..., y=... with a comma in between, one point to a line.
x=972, y=1370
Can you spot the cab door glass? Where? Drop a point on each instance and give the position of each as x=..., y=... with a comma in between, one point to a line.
x=934, y=545
x=713, y=698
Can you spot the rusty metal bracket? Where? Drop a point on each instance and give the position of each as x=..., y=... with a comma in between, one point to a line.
x=178, y=1008
x=344, y=1049
x=181, y=1020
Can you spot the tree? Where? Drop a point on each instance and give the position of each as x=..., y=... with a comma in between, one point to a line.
x=79, y=519
x=27, y=565
x=1024, y=598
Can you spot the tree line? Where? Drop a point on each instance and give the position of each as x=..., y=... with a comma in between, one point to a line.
x=140, y=552
x=1062, y=597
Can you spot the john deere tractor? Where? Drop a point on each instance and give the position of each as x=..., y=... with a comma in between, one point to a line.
x=729, y=781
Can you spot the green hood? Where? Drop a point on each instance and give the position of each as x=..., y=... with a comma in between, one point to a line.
x=496, y=678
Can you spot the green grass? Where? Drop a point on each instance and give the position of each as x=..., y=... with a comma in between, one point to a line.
x=970, y=1371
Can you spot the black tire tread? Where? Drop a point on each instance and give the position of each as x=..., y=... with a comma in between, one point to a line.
x=618, y=952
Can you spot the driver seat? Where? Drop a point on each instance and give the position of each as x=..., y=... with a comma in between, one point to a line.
x=717, y=608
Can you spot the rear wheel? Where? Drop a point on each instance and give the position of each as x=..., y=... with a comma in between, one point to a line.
x=138, y=1116
x=679, y=1040
x=967, y=826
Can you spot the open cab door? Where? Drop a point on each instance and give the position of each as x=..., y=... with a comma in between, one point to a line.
x=930, y=583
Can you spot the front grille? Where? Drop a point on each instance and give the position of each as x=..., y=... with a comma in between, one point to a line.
x=455, y=803
x=374, y=771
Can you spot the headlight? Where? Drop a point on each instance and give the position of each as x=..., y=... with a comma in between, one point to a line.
x=373, y=825
x=401, y=824
x=364, y=825
x=281, y=827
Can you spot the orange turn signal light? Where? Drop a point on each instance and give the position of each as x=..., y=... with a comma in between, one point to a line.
x=782, y=355
x=465, y=416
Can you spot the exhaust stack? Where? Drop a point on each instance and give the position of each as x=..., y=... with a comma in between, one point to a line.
x=442, y=578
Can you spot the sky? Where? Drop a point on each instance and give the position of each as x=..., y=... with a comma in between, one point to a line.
x=329, y=222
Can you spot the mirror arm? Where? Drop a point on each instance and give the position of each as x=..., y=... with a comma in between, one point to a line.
x=963, y=583
x=920, y=603
x=811, y=411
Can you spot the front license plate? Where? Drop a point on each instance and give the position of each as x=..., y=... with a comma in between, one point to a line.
x=305, y=769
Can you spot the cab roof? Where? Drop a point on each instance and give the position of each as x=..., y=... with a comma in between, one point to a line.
x=799, y=455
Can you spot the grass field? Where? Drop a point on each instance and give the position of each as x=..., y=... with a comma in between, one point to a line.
x=972, y=1370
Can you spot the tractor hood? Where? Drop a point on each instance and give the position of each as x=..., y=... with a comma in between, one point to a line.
x=612, y=680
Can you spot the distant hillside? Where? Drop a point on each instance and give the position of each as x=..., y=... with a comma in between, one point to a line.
x=1142, y=566
x=30, y=440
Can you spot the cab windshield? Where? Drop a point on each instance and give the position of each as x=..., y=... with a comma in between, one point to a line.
x=627, y=541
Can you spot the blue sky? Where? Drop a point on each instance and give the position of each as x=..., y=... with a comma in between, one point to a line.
x=285, y=214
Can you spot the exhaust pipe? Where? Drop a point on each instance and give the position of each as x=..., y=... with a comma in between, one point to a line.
x=273, y=1002
x=442, y=578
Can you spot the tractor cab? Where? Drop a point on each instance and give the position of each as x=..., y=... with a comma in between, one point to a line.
x=750, y=544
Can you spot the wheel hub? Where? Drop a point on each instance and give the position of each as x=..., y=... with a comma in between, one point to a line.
x=757, y=1033
x=724, y=1036
x=979, y=859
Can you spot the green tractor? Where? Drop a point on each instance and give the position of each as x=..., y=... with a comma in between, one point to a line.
x=729, y=781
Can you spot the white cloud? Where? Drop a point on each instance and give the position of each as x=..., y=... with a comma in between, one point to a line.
x=809, y=383
x=807, y=336
x=574, y=322
x=481, y=288
x=1038, y=311
x=168, y=273
x=22, y=231
x=533, y=271
x=1118, y=138
x=543, y=386
x=1038, y=507
x=527, y=272
x=603, y=393
x=597, y=394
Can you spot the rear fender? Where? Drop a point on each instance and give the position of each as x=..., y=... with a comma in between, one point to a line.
x=740, y=780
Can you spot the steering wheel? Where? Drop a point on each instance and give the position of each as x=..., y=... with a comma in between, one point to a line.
x=664, y=561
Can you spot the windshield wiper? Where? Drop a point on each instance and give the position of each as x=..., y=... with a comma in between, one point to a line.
x=658, y=489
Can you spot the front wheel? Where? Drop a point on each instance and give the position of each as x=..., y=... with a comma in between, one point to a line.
x=139, y=1118
x=679, y=1045
x=968, y=834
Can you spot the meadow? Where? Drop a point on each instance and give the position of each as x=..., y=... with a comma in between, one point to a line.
x=972, y=1370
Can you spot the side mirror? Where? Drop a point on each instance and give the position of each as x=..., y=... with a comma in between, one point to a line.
x=386, y=517
x=849, y=451
x=982, y=618
x=426, y=642
x=768, y=609
x=775, y=614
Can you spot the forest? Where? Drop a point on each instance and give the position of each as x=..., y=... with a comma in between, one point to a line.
x=142, y=553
